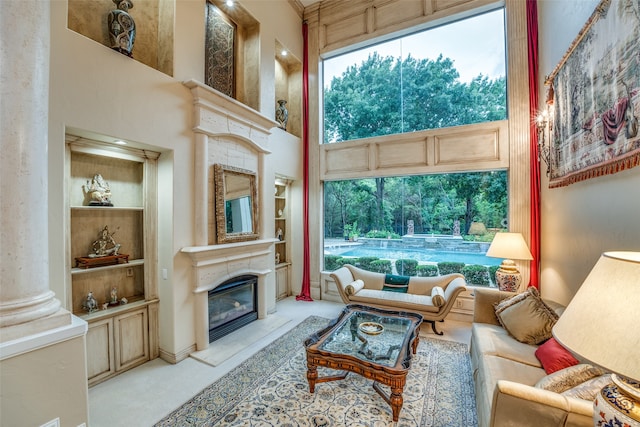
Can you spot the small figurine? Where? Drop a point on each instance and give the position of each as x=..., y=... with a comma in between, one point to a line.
x=98, y=191
x=90, y=304
x=277, y=257
x=114, y=296
x=279, y=234
x=105, y=306
x=105, y=245
x=123, y=301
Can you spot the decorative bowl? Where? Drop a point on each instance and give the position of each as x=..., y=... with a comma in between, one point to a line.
x=371, y=328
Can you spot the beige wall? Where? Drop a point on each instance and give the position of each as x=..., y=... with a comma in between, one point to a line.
x=99, y=90
x=45, y=384
x=580, y=221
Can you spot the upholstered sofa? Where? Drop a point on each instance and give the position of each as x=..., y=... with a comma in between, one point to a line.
x=508, y=375
x=432, y=297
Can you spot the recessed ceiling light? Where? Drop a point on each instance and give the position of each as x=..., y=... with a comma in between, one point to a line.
x=119, y=142
x=284, y=52
x=230, y=3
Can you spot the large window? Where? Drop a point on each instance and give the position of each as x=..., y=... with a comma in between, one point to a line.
x=445, y=76
x=416, y=225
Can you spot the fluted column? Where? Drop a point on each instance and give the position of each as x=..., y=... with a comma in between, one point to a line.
x=27, y=305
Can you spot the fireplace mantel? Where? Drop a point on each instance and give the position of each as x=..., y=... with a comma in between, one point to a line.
x=215, y=264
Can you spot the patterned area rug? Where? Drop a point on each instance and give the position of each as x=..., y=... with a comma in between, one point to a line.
x=271, y=389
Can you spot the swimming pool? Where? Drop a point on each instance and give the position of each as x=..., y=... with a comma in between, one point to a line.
x=430, y=255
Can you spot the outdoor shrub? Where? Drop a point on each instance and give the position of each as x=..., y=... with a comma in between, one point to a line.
x=333, y=262
x=427, y=270
x=477, y=275
x=381, y=266
x=448, y=267
x=492, y=274
x=379, y=234
x=406, y=267
x=365, y=262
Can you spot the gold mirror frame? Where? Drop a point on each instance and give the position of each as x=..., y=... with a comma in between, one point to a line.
x=220, y=175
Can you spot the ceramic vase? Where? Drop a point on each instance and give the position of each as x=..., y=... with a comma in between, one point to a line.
x=122, y=28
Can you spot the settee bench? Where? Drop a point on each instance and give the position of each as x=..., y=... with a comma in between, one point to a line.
x=432, y=297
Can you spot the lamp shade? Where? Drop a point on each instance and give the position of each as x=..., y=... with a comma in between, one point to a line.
x=602, y=321
x=509, y=245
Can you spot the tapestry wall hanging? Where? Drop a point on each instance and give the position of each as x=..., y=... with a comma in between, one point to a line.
x=220, y=40
x=596, y=97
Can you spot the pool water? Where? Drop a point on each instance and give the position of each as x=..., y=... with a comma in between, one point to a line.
x=426, y=255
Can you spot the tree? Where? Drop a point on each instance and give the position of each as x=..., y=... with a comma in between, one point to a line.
x=383, y=96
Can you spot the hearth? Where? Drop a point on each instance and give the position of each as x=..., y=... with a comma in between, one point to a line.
x=232, y=305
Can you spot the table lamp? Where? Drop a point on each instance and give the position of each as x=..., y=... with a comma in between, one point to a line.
x=509, y=246
x=601, y=325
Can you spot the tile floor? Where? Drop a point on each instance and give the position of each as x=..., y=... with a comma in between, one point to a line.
x=144, y=395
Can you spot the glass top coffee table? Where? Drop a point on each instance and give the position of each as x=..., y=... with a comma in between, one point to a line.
x=377, y=344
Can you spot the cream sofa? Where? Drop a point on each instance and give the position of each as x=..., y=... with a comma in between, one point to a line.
x=505, y=372
x=432, y=297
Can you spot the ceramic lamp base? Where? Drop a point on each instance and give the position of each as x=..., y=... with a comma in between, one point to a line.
x=508, y=278
x=618, y=404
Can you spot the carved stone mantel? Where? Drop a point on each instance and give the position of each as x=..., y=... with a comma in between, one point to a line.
x=214, y=264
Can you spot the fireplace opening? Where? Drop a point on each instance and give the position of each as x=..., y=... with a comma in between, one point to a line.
x=232, y=305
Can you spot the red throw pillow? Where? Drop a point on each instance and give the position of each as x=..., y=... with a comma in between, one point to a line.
x=554, y=357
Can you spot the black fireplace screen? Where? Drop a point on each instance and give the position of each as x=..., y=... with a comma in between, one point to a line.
x=232, y=305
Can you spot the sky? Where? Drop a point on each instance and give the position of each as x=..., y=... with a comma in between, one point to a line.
x=476, y=45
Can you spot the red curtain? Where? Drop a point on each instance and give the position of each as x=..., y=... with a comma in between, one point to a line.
x=532, y=44
x=305, y=292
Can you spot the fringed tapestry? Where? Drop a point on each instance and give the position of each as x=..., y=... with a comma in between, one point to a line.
x=596, y=89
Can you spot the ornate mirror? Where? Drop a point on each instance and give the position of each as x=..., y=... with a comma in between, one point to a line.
x=236, y=204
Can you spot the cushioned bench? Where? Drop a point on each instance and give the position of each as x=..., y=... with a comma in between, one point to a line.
x=432, y=297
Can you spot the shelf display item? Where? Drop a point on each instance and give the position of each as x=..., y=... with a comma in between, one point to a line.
x=90, y=304
x=122, y=28
x=98, y=191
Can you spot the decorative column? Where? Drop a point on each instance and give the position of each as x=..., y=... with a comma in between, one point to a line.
x=27, y=305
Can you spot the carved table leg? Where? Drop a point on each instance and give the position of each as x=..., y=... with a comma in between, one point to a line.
x=396, y=402
x=312, y=376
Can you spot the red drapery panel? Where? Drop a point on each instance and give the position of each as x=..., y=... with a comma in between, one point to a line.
x=532, y=43
x=305, y=292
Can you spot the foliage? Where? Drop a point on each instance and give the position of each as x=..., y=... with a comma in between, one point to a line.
x=427, y=270
x=448, y=267
x=492, y=274
x=333, y=262
x=406, y=267
x=433, y=202
x=379, y=234
x=381, y=266
x=365, y=262
x=387, y=95
x=477, y=275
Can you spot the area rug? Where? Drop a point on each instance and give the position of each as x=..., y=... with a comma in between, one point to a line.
x=271, y=389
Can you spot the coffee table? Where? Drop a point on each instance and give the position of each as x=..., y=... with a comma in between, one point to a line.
x=377, y=344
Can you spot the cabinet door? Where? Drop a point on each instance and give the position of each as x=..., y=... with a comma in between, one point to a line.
x=131, y=339
x=100, y=356
x=282, y=282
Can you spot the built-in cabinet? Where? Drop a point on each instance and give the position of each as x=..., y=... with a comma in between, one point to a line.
x=282, y=232
x=123, y=316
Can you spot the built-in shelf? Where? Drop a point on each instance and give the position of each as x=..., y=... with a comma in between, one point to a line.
x=131, y=263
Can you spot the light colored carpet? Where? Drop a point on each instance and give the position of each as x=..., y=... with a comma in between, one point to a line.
x=227, y=346
x=271, y=389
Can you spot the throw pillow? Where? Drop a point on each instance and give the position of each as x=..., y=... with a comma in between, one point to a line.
x=437, y=296
x=526, y=317
x=554, y=357
x=568, y=378
x=353, y=287
x=589, y=389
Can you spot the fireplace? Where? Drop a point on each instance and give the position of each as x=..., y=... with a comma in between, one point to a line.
x=232, y=305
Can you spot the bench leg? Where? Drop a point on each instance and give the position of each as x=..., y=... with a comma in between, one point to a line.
x=433, y=327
